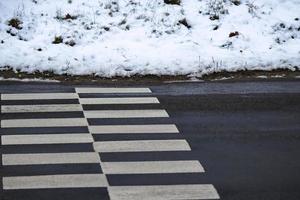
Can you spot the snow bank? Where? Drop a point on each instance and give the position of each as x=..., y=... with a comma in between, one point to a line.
x=128, y=37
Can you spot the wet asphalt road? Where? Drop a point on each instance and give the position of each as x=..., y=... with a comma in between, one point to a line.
x=245, y=134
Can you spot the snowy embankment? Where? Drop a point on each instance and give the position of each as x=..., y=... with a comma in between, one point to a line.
x=129, y=37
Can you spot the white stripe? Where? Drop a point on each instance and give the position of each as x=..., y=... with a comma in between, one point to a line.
x=141, y=145
x=41, y=108
x=50, y=158
x=123, y=100
x=50, y=122
x=113, y=90
x=153, y=128
x=163, y=192
x=150, y=167
x=46, y=139
x=55, y=181
x=38, y=96
x=125, y=113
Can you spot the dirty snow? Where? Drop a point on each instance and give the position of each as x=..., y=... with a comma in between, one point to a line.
x=128, y=37
x=29, y=80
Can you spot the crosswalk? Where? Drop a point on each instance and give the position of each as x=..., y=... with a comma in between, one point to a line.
x=95, y=143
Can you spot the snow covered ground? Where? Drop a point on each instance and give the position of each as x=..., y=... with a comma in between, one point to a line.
x=129, y=37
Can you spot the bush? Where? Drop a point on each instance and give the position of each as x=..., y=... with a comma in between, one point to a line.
x=176, y=2
x=233, y=34
x=68, y=16
x=16, y=23
x=185, y=23
x=57, y=40
x=236, y=2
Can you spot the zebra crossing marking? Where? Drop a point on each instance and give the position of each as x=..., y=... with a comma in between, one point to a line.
x=163, y=192
x=141, y=145
x=46, y=139
x=132, y=129
x=41, y=108
x=112, y=90
x=50, y=158
x=38, y=96
x=55, y=181
x=152, y=167
x=50, y=122
x=125, y=113
x=80, y=179
x=121, y=100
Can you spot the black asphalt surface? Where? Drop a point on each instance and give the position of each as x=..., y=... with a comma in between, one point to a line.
x=245, y=134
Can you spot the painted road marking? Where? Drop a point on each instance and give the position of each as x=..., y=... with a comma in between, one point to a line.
x=50, y=122
x=46, y=139
x=41, y=108
x=55, y=181
x=50, y=158
x=38, y=96
x=123, y=100
x=125, y=113
x=150, y=167
x=153, y=128
x=112, y=90
x=85, y=180
x=142, y=145
x=163, y=192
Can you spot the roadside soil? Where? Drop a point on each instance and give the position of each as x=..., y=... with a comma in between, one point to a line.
x=284, y=74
